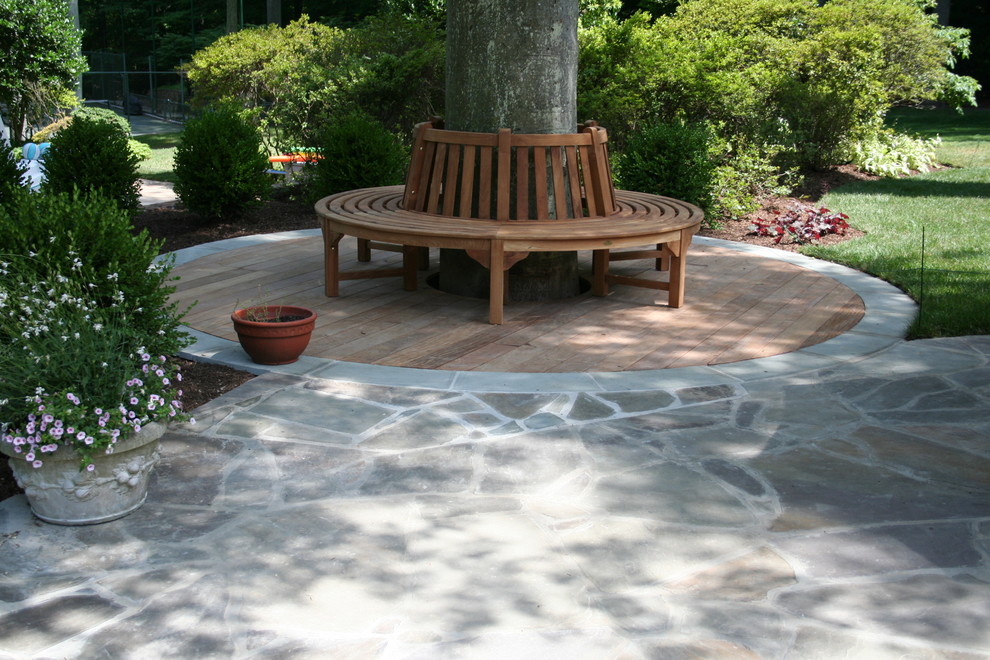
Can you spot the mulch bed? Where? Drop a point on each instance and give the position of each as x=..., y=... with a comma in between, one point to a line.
x=179, y=229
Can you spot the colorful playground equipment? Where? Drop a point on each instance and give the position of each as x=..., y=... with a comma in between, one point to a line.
x=293, y=163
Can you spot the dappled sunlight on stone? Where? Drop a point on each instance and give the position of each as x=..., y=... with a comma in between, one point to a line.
x=801, y=514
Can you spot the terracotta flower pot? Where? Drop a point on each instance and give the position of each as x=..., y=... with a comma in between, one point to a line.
x=274, y=334
x=59, y=492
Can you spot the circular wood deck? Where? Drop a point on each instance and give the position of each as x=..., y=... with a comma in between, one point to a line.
x=738, y=307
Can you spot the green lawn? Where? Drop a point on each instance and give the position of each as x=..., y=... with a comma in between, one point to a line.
x=159, y=166
x=950, y=207
x=965, y=137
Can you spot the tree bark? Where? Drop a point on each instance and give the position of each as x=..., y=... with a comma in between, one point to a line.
x=274, y=8
x=232, y=22
x=944, y=10
x=512, y=64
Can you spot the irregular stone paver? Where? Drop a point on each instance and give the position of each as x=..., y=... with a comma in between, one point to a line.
x=633, y=402
x=836, y=512
x=671, y=493
x=32, y=629
x=341, y=414
x=423, y=429
x=886, y=549
x=749, y=578
x=816, y=492
x=936, y=608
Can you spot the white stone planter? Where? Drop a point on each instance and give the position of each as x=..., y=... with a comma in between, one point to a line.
x=60, y=493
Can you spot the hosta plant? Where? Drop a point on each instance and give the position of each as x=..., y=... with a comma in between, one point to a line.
x=801, y=226
x=892, y=154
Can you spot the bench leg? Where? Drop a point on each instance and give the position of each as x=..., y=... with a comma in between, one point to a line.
x=663, y=262
x=678, y=266
x=599, y=273
x=331, y=262
x=496, y=281
x=364, y=250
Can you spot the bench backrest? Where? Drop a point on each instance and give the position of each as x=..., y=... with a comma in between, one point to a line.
x=510, y=176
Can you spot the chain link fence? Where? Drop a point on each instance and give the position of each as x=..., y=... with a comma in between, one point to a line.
x=163, y=94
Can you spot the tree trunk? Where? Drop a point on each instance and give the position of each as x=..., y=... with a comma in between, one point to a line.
x=232, y=22
x=274, y=12
x=944, y=10
x=512, y=64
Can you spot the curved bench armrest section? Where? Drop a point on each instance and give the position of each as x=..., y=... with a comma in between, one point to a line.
x=510, y=176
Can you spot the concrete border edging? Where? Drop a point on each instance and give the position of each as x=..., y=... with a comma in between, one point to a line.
x=889, y=313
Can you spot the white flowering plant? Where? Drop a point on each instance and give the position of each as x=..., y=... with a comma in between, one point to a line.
x=89, y=239
x=74, y=371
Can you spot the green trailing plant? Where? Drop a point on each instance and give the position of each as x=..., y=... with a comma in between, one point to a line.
x=357, y=152
x=68, y=235
x=220, y=169
x=93, y=155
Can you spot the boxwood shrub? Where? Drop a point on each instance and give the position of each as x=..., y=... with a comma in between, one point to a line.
x=93, y=155
x=219, y=164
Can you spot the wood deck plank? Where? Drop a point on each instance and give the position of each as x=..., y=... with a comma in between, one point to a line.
x=738, y=306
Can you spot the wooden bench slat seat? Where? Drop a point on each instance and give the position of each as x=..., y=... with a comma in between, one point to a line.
x=501, y=196
x=640, y=219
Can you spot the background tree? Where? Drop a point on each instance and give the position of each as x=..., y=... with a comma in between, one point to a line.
x=170, y=31
x=293, y=80
x=40, y=61
x=783, y=84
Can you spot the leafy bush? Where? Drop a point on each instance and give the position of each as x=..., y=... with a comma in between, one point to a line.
x=93, y=156
x=393, y=70
x=11, y=175
x=45, y=134
x=747, y=173
x=292, y=80
x=73, y=372
x=103, y=114
x=88, y=238
x=895, y=154
x=279, y=75
x=812, y=78
x=358, y=152
x=139, y=149
x=617, y=61
x=219, y=165
x=671, y=159
x=86, y=305
x=690, y=161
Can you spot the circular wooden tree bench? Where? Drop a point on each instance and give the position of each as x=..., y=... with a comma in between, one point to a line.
x=500, y=196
